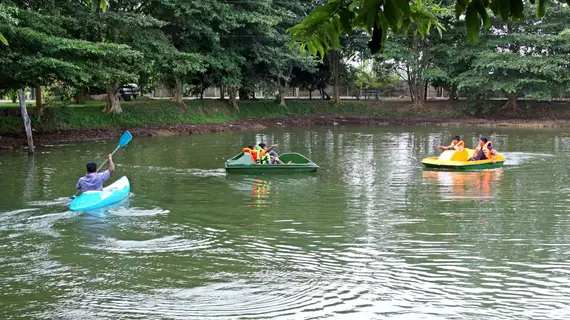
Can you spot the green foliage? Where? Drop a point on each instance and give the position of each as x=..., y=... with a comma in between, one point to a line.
x=97, y=45
x=311, y=80
x=10, y=94
x=46, y=51
x=321, y=29
x=59, y=93
x=7, y=19
x=528, y=59
x=374, y=75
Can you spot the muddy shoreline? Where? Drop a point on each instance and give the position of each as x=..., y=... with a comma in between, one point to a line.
x=10, y=141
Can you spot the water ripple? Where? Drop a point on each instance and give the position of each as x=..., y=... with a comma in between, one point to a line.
x=372, y=235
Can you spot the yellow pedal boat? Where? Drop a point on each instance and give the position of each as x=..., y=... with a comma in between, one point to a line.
x=458, y=160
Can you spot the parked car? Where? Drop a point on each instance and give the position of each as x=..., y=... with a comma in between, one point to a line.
x=129, y=91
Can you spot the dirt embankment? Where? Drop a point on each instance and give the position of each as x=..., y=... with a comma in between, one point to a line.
x=18, y=140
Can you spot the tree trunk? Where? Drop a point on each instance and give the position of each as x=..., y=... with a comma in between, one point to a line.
x=322, y=91
x=333, y=62
x=233, y=100
x=27, y=123
x=222, y=95
x=310, y=95
x=452, y=93
x=282, y=99
x=336, y=94
x=426, y=91
x=418, y=96
x=39, y=102
x=113, y=103
x=80, y=96
x=202, y=93
x=512, y=104
x=177, y=97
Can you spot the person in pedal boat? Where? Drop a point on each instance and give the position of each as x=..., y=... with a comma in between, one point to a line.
x=248, y=149
x=93, y=180
x=484, y=151
x=259, y=153
x=456, y=144
x=274, y=159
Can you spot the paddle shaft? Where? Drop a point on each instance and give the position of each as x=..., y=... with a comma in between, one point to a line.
x=101, y=166
x=106, y=160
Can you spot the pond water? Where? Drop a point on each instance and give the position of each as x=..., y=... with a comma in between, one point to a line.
x=370, y=235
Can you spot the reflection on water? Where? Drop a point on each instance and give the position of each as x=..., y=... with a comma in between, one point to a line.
x=465, y=186
x=260, y=192
x=372, y=235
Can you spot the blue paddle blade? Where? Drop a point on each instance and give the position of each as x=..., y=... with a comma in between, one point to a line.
x=125, y=138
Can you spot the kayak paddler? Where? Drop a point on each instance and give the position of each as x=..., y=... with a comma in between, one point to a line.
x=93, y=180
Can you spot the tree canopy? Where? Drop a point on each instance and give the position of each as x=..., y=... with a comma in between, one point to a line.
x=322, y=28
x=479, y=49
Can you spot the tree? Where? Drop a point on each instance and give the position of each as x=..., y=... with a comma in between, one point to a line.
x=6, y=12
x=451, y=54
x=412, y=56
x=373, y=75
x=311, y=80
x=528, y=59
x=259, y=38
x=321, y=30
x=6, y=19
x=45, y=51
x=380, y=17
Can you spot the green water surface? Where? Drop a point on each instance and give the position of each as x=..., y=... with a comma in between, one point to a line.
x=371, y=235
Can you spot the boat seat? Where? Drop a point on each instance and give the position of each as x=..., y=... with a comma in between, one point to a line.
x=244, y=159
x=454, y=155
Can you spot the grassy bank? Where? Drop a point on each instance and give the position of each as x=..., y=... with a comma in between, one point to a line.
x=162, y=112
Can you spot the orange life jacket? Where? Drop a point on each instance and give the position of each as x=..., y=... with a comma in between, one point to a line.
x=485, y=149
x=252, y=152
x=257, y=153
x=457, y=145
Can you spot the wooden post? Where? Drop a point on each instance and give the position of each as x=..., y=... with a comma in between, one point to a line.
x=27, y=123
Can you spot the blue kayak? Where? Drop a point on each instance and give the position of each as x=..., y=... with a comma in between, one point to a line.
x=111, y=194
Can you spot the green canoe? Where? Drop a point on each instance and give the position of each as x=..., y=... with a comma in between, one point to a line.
x=243, y=163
